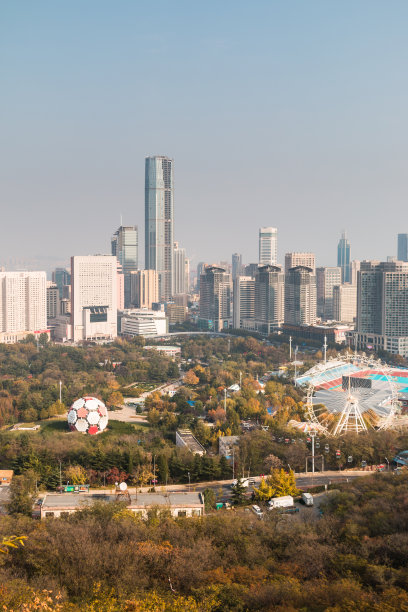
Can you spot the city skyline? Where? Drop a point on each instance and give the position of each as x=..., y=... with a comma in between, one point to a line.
x=328, y=128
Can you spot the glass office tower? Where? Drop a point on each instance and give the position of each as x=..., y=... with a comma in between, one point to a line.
x=159, y=221
x=343, y=258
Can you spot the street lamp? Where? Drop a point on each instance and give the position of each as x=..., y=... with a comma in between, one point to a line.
x=188, y=481
x=388, y=464
x=296, y=350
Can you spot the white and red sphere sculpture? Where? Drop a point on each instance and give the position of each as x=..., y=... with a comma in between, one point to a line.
x=88, y=415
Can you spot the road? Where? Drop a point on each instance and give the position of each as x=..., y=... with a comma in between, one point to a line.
x=302, y=480
x=128, y=414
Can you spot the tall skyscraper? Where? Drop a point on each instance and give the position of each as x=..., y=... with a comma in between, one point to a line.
x=94, y=297
x=144, y=288
x=403, y=247
x=181, y=271
x=243, y=300
x=382, y=306
x=23, y=304
x=300, y=296
x=124, y=246
x=343, y=258
x=269, y=298
x=326, y=280
x=215, y=298
x=292, y=260
x=236, y=265
x=159, y=221
x=268, y=246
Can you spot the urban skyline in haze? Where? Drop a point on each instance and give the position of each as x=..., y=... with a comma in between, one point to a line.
x=291, y=116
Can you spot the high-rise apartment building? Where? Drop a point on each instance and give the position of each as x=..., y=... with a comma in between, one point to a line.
x=181, y=271
x=382, y=306
x=23, y=304
x=300, y=296
x=403, y=247
x=215, y=298
x=243, y=300
x=236, y=265
x=94, y=297
x=326, y=280
x=159, y=221
x=343, y=258
x=269, y=298
x=345, y=303
x=144, y=288
x=124, y=245
x=292, y=260
x=268, y=246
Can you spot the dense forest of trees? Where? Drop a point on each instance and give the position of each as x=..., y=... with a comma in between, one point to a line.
x=352, y=558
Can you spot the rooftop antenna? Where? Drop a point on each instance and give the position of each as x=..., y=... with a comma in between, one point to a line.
x=121, y=220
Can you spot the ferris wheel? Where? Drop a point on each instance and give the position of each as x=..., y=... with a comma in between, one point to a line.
x=351, y=394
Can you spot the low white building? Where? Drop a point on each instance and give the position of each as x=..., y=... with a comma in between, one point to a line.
x=56, y=505
x=143, y=322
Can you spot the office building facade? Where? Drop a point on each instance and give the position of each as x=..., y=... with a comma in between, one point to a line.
x=345, y=303
x=326, y=279
x=53, y=300
x=144, y=288
x=181, y=282
x=124, y=245
x=268, y=246
x=343, y=258
x=94, y=297
x=62, y=278
x=300, y=296
x=236, y=265
x=403, y=247
x=159, y=221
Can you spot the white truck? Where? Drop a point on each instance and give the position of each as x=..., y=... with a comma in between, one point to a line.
x=244, y=482
x=307, y=499
x=281, y=502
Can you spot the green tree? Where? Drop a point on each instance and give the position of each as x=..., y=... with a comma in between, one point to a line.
x=163, y=468
x=209, y=499
x=238, y=493
x=22, y=489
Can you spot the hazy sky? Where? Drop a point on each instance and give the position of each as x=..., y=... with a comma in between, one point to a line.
x=286, y=113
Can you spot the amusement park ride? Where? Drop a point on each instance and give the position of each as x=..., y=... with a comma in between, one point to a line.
x=351, y=393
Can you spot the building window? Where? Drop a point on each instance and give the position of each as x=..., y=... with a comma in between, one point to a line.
x=182, y=513
x=49, y=514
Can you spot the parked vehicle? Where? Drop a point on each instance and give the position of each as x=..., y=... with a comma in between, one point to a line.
x=307, y=499
x=257, y=511
x=290, y=510
x=280, y=502
x=244, y=482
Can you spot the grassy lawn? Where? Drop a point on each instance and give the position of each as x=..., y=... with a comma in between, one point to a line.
x=56, y=425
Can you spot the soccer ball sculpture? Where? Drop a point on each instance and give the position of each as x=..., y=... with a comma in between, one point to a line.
x=88, y=415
